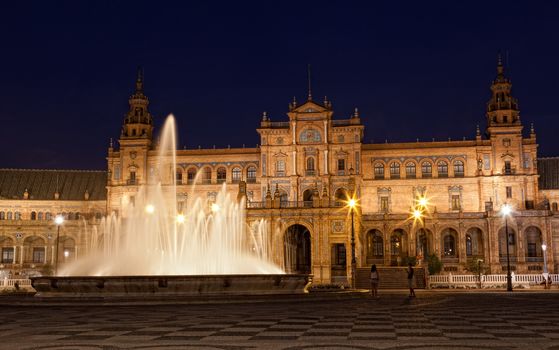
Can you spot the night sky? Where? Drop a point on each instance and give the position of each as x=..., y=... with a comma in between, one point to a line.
x=413, y=70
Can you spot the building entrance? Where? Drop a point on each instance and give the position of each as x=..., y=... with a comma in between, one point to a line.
x=297, y=244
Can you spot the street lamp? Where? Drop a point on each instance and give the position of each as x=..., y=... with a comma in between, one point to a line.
x=351, y=205
x=545, y=273
x=58, y=220
x=506, y=210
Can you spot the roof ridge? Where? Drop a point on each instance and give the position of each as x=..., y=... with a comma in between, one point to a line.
x=55, y=170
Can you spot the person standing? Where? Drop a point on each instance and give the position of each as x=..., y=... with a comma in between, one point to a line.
x=410, y=279
x=374, y=281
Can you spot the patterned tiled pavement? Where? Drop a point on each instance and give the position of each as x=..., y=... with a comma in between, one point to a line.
x=433, y=320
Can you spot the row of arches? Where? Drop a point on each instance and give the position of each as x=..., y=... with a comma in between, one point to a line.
x=222, y=174
x=48, y=216
x=33, y=249
x=378, y=245
x=412, y=167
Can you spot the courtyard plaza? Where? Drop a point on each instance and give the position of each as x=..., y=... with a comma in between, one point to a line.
x=434, y=320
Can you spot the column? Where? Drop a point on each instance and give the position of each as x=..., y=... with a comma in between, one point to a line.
x=14, y=260
x=325, y=131
x=21, y=254
x=325, y=162
x=46, y=255
x=294, y=163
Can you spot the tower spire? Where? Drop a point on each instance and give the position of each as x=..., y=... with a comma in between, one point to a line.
x=140, y=80
x=309, y=97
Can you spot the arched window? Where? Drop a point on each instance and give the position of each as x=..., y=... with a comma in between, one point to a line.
x=310, y=171
x=191, y=176
x=410, y=170
x=474, y=244
x=426, y=169
x=449, y=246
x=236, y=175
x=375, y=246
x=48, y=216
x=17, y=215
x=395, y=170
x=2, y=215
x=33, y=215
x=395, y=244
x=533, y=242
x=442, y=168
x=40, y=216
x=340, y=196
x=379, y=171
x=221, y=175
x=503, y=243
x=178, y=177
x=458, y=168
x=9, y=216
x=251, y=174
x=207, y=175
x=284, y=199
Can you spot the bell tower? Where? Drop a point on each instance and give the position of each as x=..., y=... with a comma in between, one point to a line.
x=138, y=122
x=502, y=108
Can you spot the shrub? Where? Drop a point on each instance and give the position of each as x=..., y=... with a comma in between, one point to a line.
x=434, y=264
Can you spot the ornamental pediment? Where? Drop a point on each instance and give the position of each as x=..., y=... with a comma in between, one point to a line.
x=310, y=107
x=280, y=154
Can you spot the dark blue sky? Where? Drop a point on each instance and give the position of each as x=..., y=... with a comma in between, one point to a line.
x=413, y=69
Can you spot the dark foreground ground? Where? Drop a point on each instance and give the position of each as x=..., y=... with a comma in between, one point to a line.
x=433, y=320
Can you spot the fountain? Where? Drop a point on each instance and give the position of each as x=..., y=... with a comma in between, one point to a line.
x=158, y=247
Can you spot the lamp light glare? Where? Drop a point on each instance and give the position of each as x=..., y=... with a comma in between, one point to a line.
x=544, y=247
x=417, y=214
x=351, y=203
x=506, y=210
x=59, y=220
x=180, y=218
x=215, y=207
x=150, y=209
x=422, y=201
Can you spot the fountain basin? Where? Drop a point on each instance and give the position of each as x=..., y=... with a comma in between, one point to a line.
x=170, y=285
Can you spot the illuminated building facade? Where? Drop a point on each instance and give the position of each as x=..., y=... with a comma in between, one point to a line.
x=299, y=179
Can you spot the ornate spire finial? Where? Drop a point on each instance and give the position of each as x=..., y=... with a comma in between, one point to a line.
x=264, y=116
x=532, y=131
x=356, y=113
x=140, y=80
x=309, y=97
x=478, y=133
x=111, y=142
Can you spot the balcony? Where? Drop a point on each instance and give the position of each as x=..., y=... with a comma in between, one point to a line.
x=251, y=180
x=220, y=181
x=532, y=259
x=131, y=182
x=310, y=172
x=206, y=181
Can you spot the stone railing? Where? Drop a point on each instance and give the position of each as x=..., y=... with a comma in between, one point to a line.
x=488, y=281
x=7, y=284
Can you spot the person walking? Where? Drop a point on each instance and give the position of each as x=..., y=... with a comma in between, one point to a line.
x=410, y=280
x=374, y=281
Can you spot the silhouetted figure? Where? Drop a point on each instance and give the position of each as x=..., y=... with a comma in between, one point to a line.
x=374, y=281
x=410, y=279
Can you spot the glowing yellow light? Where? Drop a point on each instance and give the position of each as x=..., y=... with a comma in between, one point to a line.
x=180, y=218
x=422, y=201
x=352, y=203
x=150, y=209
x=417, y=214
x=215, y=207
x=506, y=210
x=59, y=219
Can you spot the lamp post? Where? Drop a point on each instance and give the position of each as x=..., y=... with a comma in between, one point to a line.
x=545, y=273
x=58, y=220
x=351, y=204
x=506, y=210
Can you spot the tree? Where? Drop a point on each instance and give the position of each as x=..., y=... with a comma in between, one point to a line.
x=434, y=264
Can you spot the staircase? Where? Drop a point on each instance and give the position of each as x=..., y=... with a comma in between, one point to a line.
x=390, y=278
